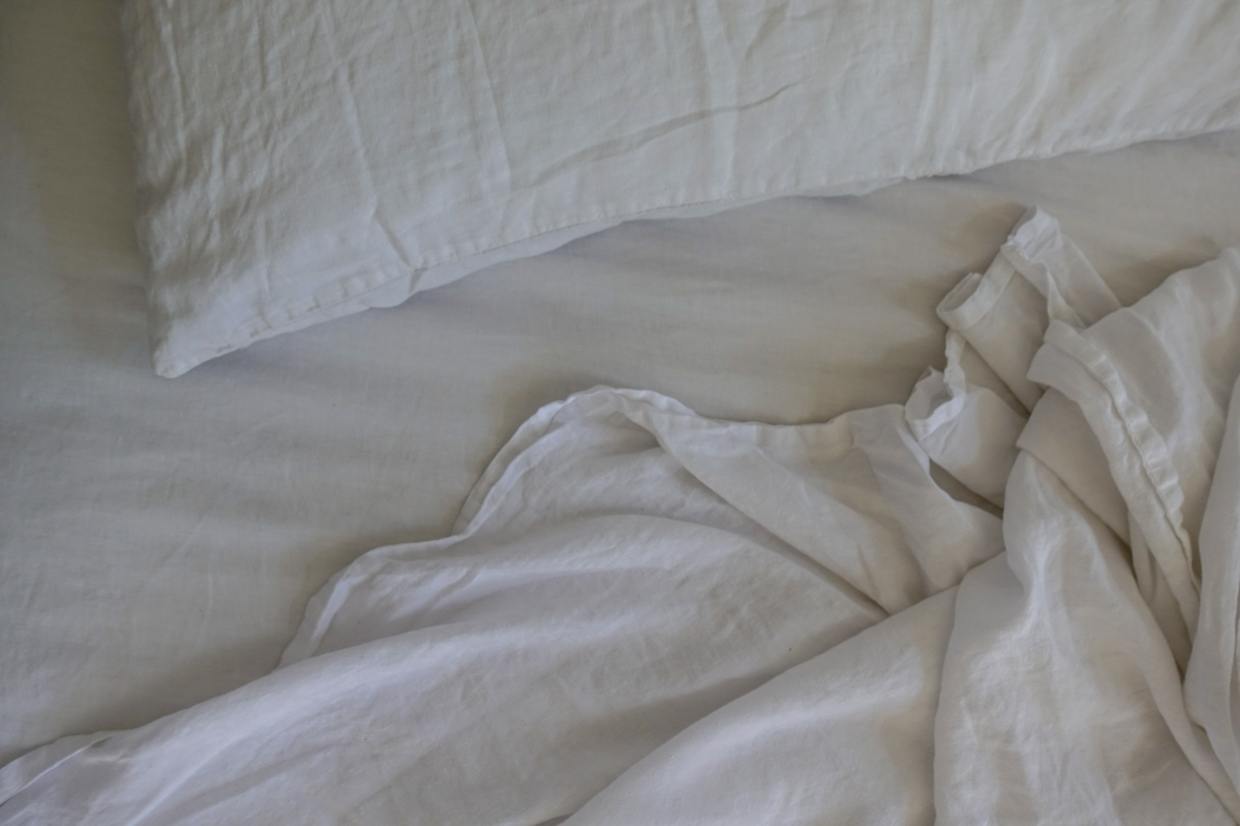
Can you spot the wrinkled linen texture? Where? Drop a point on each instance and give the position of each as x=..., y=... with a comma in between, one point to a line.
x=1012, y=599
x=301, y=160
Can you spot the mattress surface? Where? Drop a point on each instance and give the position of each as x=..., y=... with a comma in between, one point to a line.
x=159, y=540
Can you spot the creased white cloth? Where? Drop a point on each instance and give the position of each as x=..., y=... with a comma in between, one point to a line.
x=301, y=160
x=648, y=616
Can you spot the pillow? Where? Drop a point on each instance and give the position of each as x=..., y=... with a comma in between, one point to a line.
x=300, y=160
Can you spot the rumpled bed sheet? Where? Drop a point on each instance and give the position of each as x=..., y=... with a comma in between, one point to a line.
x=1013, y=599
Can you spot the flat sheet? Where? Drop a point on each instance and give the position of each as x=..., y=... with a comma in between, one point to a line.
x=593, y=638
x=159, y=541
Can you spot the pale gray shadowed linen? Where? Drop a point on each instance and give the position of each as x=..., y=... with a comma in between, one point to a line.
x=647, y=614
x=158, y=542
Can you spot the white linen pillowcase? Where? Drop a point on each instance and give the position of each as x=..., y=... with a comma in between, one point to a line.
x=299, y=160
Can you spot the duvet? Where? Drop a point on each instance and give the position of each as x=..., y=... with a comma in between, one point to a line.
x=1013, y=599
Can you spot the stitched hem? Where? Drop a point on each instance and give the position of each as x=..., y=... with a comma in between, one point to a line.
x=1154, y=496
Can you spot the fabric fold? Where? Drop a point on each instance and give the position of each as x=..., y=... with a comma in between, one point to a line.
x=967, y=429
x=1212, y=682
x=1038, y=276
x=1063, y=696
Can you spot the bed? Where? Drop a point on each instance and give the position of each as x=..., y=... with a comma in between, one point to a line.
x=160, y=539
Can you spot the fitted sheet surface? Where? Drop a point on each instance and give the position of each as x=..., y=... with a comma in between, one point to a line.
x=159, y=540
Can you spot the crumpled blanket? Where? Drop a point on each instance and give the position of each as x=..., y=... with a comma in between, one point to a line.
x=1013, y=599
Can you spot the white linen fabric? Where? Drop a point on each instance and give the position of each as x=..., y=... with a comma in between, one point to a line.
x=626, y=568
x=159, y=540
x=299, y=161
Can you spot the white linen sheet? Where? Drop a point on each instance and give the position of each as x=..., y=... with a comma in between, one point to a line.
x=626, y=567
x=158, y=544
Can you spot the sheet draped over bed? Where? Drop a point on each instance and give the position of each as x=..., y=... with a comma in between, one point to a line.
x=648, y=616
